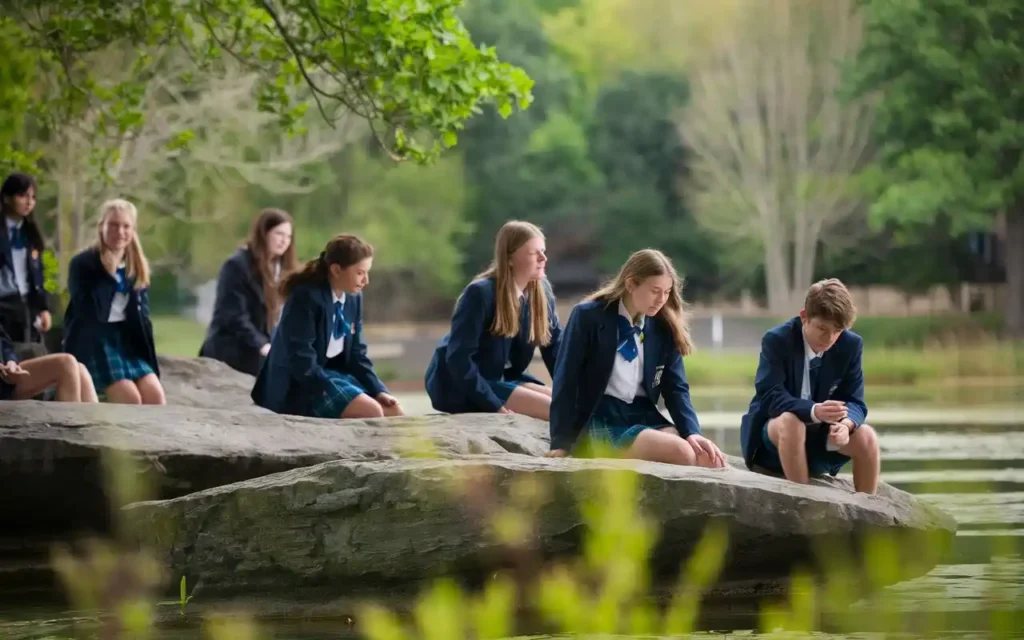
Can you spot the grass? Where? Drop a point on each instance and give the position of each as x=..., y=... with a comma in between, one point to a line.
x=177, y=336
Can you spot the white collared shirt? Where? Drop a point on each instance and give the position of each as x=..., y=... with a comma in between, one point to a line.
x=805, y=386
x=336, y=345
x=20, y=257
x=627, y=379
x=119, y=305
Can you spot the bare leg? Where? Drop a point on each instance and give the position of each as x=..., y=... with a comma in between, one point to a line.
x=529, y=403
x=539, y=388
x=392, y=412
x=363, y=406
x=58, y=370
x=662, y=445
x=123, y=392
x=863, y=448
x=85, y=383
x=151, y=390
x=789, y=434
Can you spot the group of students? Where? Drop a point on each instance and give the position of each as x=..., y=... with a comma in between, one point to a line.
x=300, y=332
x=107, y=343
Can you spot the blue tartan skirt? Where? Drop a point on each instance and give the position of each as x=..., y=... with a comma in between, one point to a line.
x=332, y=403
x=616, y=423
x=115, y=359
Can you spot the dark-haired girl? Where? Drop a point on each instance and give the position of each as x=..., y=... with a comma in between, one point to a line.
x=24, y=303
x=248, y=301
x=317, y=365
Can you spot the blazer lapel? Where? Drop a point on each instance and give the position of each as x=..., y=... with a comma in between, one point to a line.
x=327, y=304
x=652, y=349
x=797, y=359
x=607, y=341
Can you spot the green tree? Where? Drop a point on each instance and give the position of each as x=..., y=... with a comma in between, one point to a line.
x=951, y=136
x=408, y=68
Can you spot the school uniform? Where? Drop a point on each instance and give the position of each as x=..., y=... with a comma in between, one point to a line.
x=238, y=329
x=107, y=325
x=7, y=354
x=791, y=378
x=317, y=363
x=473, y=370
x=23, y=295
x=611, y=374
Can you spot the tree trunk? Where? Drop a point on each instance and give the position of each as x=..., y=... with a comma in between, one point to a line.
x=776, y=273
x=1015, y=271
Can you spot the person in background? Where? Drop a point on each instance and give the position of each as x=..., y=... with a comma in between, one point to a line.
x=24, y=302
x=107, y=323
x=58, y=371
x=317, y=365
x=500, y=319
x=621, y=350
x=807, y=414
x=248, y=303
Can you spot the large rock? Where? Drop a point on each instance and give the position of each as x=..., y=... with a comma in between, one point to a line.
x=366, y=525
x=206, y=383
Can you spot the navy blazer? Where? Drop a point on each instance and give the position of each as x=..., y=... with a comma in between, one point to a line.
x=38, y=299
x=7, y=353
x=469, y=355
x=780, y=375
x=238, y=329
x=585, y=362
x=294, y=371
x=91, y=289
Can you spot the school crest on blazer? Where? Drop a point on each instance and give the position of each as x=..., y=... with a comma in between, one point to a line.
x=660, y=369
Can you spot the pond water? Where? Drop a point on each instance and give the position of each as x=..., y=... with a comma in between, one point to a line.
x=976, y=473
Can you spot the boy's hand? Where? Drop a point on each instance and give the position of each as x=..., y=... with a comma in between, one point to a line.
x=830, y=411
x=839, y=435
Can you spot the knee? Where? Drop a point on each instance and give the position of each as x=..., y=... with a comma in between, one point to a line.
x=788, y=427
x=373, y=410
x=865, y=440
x=685, y=453
x=68, y=364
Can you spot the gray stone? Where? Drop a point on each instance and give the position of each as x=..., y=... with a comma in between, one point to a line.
x=387, y=523
x=206, y=383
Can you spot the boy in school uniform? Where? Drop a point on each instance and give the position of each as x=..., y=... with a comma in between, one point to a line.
x=807, y=416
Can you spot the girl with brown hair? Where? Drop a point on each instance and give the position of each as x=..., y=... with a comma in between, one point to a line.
x=248, y=302
x=500, y=319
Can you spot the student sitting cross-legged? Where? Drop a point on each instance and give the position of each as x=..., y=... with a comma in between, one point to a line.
x=807, y=415
x=317, y=365
x=621, y=349
x=500, y=320
x=107, y=325
x=28, y=378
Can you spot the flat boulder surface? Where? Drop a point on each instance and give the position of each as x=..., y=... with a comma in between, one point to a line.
x=206, y=383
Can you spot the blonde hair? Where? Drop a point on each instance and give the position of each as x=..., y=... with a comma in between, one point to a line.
x=513, y=235
x=830, y=300
x=135, y=260
x=641, y=265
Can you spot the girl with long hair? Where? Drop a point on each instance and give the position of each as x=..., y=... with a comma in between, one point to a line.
x=622, y=350
x=248, y=301
x=317, y=365
x=24, y=302
x=501, y=318
x=107, y=323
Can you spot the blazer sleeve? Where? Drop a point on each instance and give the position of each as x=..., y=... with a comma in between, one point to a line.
x=362, y=366
x=550, y=352
x=231, y=290
x=676, y=391
x=851, y=387
x=7, y=348
x=298, y=323
x=78, y=287
x=463, y=341
x=569, y=363
x=770, y=382
x=40, y=297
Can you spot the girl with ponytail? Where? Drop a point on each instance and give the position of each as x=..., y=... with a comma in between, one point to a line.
x=107, y=323
x=317, y=365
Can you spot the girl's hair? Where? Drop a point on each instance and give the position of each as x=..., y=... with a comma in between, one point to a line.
x=513, y=235
x=641, y=265
x=134, y=258
x=343, y=250
x=18, y=184
x=257, y=243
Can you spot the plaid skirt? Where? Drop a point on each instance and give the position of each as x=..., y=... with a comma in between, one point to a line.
x=113, y=359
x=333, y=402
x=616, y=424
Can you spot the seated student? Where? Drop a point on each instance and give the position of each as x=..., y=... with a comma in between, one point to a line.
x=622, y=348
x=807, y=415
x=107, y=324
x=500, y=319
x=248, y=304
x=24, y=302
x=317, y=365
x=27, y=379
